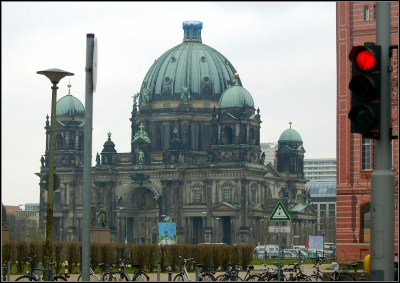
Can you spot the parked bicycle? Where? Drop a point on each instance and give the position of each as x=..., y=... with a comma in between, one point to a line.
x=396, y=267
x=93, y=276
x=251, y=276
x=138, y=274
x=269, y=272
x=317, y=273
x=110, y=274
x=183, y=273
x=340, y=275
x=298, y=272
x=47, y=274
x=228, y=276
x=274, y=273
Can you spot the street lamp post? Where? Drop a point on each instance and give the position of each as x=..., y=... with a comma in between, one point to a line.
x=265, y=219
x=126, y=229
x=55, y=75
x=323, y=243
x=212, y=228
x=293, y=236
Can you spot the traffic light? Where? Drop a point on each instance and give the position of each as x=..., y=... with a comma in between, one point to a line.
x=365, y=86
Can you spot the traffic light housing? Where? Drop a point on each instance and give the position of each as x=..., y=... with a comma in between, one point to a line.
x=365, y=86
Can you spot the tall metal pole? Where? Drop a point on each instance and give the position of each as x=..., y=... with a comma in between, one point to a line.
x=87, y=158
x=50, y=181
x=126, y=233
x=382, y=185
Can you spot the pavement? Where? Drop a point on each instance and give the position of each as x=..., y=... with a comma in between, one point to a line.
x=307, y=269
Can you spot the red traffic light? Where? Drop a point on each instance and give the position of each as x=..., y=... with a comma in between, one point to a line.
x=363, y=58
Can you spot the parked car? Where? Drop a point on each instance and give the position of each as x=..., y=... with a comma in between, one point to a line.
x=289, y=254
x=271, y=252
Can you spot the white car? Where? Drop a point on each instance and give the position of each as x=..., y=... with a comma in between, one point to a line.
x=289, y=255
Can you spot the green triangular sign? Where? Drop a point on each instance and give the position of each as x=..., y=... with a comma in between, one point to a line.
x=279, y=213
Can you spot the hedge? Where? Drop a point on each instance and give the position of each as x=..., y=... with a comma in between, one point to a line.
x=146, y=255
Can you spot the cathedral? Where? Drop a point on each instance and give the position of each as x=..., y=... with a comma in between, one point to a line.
x=195, y=158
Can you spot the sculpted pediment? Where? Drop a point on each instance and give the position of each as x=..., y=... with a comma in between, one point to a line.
x=224, y=206
x=272, y=172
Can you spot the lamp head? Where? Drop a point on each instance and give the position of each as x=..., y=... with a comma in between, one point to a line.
x=55, y=75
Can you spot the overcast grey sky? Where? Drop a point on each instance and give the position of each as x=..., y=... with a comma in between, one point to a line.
x=285, y=53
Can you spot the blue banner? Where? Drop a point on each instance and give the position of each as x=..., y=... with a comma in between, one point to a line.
x=166, y=233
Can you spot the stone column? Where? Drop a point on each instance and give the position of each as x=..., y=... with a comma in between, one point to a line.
x=164, y=209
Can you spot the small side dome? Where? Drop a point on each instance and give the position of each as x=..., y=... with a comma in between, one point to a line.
x=290, y=135
x=236, y=96
x=109, y=145
x=69, y=105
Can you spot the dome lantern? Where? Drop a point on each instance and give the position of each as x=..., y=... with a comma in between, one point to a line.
x=192, y=31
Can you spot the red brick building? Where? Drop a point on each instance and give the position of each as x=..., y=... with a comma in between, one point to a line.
x=356, y=24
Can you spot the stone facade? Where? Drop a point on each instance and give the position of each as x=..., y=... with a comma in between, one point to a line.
x=191, y=160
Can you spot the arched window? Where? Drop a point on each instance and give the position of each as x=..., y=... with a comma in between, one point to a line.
x=197, y=193
x=227, y=135
x=80, y=146
x=365, y=222
x=59, y=142
x=252, y=136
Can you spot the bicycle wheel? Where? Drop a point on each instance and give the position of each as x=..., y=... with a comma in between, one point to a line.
x=316, y=277
x=344, y=276
x=122, y=277
x=254, y=277
x=91, y=278
x=303, y=278
x=141, y=276
x=221, y=278
x=59, y=278
x=206, y=277
x=25, y=278
x=179, y=277
x=109, y=277
x=274, y=277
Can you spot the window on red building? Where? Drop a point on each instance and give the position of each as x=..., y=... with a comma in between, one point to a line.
x=366, y=154
x=365, y=223
x=374, y=12
x=366, y=13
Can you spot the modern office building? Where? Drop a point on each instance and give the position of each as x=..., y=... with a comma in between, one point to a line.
x=320, y=169
x=23, y=221
x=323, y=201
x=195, y=157
x=269, y=149
x=355, y=25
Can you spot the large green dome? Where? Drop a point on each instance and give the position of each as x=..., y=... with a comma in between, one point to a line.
x=236, y=96
x=290, y=135
x=69, y=105
x=193, y=65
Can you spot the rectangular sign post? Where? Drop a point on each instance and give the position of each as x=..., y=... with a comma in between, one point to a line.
x=279, y=229
x=279, y=214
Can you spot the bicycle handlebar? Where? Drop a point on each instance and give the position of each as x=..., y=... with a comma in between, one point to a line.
x=32, y=255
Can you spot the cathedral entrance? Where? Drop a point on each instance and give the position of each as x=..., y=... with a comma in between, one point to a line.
x=226, y=230
x=197, y=236
x=142, y=219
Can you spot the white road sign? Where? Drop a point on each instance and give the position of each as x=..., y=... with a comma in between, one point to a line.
x=279, y=229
